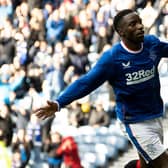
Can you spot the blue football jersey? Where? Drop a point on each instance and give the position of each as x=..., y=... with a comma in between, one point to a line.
x=134, y=77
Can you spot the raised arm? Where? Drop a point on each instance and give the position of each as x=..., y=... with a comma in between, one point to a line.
x=78, y=89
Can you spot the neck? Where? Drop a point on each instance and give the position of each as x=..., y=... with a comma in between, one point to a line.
x=132, y=46
x=130, y=50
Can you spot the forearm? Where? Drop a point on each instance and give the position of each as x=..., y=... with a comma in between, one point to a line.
x=80, y=88
x=87, y=83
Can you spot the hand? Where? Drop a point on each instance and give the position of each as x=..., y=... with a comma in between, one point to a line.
x=47, y=111
x=67, y=145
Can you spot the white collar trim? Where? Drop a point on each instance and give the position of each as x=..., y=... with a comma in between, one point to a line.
x=131, y=51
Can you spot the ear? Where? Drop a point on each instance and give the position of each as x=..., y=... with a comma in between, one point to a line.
x=121, y=32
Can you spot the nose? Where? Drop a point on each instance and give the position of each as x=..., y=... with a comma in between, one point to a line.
x=140, y=26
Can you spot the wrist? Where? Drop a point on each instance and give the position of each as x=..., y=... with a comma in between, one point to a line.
x=57, y=105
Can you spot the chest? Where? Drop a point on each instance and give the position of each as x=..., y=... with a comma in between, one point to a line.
x=136, y=69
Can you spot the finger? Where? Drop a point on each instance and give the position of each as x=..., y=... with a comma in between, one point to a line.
x=38, y=110
x=35, y=111
x=40, y=113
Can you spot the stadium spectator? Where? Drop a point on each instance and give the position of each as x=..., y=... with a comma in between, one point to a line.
x=37, y=26
x=5, y=157
x=98, y=116
x=55, y=77
x=50, y=147
x=21, y=149
x=6, y=11
x=34, y=134
x=7, y=43
x=7, y=122
x=55, y=26
x=69, y=150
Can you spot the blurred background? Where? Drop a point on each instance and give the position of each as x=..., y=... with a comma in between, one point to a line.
x=44, y=46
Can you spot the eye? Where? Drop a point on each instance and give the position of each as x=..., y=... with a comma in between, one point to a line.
x=133, y=23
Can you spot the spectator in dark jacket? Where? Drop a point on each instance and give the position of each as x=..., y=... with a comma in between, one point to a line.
x=50, y=147
x=6, y=121
x=98, y=116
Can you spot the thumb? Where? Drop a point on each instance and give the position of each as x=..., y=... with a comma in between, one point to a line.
x=53, y=104
x=49, y=102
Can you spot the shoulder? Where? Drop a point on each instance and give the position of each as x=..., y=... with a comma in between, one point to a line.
x=111, y=53
x=151, y=39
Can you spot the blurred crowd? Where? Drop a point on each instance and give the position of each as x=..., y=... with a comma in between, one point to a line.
x=44, y=46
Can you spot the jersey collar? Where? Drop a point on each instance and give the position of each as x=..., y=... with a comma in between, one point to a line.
x=131, y=51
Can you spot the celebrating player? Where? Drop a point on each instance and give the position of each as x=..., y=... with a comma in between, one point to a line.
x=130, y=67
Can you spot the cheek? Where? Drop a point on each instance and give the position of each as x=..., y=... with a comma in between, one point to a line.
x=130, y=35
x=126, y=32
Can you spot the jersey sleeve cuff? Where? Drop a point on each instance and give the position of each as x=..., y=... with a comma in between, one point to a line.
x=58, y=105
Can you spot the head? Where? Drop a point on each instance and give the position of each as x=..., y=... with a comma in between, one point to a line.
x=128, y=25
x=4, y=110
x=56, y=137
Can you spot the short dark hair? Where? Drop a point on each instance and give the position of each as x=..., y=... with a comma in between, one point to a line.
x=119, y=16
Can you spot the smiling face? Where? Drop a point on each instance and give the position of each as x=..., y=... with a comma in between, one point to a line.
x=131, y=29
